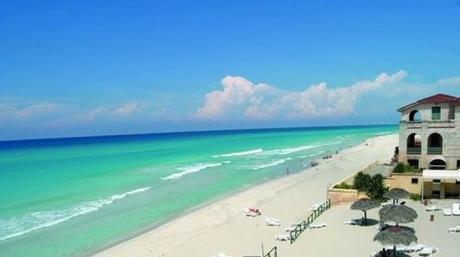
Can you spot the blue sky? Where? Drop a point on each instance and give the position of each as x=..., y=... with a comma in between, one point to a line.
x=70, y=68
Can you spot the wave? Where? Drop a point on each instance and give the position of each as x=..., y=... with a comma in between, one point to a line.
x=18, y=226
x=383, y=133
x=191, y=169
x=259, y=150
x=285, y=151
x=270, y=164
x=316, y=154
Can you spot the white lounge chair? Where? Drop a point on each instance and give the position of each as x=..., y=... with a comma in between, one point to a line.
x=316, y=206
x=272, y=222
x=290, y=228
x=428, y=251
x=447, y=211
x=282, y=237
x=454, y=229
x=356, y=222
x=318, y=225
x=456, y=209
x=222, y=255
x=433, y=208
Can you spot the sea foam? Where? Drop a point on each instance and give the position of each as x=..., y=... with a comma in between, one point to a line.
x=18, y=226
x=255, y=151
x=270, y=164
x=191, y=169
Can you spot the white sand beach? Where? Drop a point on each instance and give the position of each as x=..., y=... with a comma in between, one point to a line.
x=222, y=227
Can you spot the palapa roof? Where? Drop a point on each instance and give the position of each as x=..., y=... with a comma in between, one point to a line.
x=435, y=99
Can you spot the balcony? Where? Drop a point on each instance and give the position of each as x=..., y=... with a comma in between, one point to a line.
x=414, y=150
x=435, y=150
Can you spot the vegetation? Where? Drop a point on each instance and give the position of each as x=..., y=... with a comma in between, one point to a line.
x=415, y=197
x=344, y=185
x=405, y=168
x=372, y=185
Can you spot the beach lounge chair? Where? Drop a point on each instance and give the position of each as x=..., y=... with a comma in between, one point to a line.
x=356, y=222
x=433, y=208
x=318, y=225
x=272, y=222
x=222, y=255
x=282, y=237
x=456, y=209
x=428, y=251
x=316, y=206
x=447, y=211
x=454, y=229
x=290, y=228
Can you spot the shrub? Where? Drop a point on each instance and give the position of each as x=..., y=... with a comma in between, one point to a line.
x=402, y=168
x=372, y=185
x=362, y=181
x=343, y=185
x=415, y=197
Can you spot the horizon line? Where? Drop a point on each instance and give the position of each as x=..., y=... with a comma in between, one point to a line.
x=188, y=132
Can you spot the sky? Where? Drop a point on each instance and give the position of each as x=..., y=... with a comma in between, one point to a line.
x=81, y=68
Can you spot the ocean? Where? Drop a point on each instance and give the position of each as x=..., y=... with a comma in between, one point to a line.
x=75, y=196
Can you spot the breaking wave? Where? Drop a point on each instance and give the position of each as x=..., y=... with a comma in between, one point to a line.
x=18, y=226
x=191, y=169
x=255, y=151
x=270, y=164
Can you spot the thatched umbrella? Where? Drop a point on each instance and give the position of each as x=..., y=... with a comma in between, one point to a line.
x=396, y=194
x=397, y=213
x=395, y=236
x=365, y=204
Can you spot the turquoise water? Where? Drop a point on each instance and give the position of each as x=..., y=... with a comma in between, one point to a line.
x=71, y=197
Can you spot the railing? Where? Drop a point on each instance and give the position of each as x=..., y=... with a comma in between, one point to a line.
x=272, y=253
x=434, y=150
x=294, y=234
x=414, y=150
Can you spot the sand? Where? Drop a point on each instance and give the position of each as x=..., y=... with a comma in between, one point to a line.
x=222, y=227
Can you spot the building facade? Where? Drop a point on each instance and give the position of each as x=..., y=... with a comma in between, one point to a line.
x=429, y=140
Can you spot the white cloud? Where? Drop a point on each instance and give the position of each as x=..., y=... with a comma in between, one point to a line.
x=16, y=112
x=129, y=108
x=241, y=97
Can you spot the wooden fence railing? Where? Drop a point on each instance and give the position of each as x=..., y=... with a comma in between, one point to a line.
x=294, y=234
x=272, y=253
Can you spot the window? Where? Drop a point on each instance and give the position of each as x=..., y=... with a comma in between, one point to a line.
x=414, y=181
x=451, y=112
x=436, y=113
x=458, y=164
x=436, y=181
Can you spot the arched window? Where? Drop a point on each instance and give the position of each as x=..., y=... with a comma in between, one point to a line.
x=414, y=144
x=438, y=164
x=414, y=116
x=435, y=144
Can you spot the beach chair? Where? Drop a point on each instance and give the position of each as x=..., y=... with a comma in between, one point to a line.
x=456, y=209
x=356, y=222
x=428, y=251
x=433, y=208
x=318, y=225
x=316, y=206
x=272, y=222
x=416, y=248
x=282, y=237
x=447, y=211
x=454, y=229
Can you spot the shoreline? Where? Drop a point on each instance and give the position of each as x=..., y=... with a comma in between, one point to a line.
x=143, y=242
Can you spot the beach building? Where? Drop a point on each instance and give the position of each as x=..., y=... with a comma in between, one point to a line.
x=429, y=140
